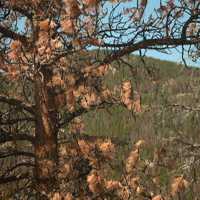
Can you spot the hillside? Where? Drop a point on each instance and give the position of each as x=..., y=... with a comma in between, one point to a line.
x=170, y=96
x=161, y=85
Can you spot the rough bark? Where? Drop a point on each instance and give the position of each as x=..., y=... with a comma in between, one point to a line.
x=46, y=150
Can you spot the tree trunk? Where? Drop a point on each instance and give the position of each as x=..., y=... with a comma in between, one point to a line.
x=46, y=150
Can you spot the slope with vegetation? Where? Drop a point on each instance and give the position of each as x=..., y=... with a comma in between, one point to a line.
x=135, y=111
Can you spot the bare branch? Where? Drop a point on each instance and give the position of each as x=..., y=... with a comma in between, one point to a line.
x=7, y=137
x=18, y=103
x=13, y=35
x=16, y=153
x=4, y=180
x=23, y=164
x=184, y=107
x=14, y=121
x=92, y=138
x=70, y=116
x=145, y=44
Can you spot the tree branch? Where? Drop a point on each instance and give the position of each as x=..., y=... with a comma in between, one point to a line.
x=16, y=153
x=18, y=103
x=22, y=11
x=4, y=180
x=93, y=138
x=70, y=116
x=145, y=44
x=23, y=164
x=7, y=137
x=13, y=35
x=184, y=107
x=15, y=121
